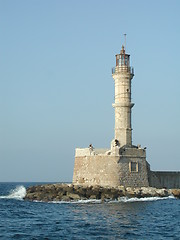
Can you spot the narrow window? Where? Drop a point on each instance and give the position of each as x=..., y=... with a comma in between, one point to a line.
x=126, y=60
x=133, y=166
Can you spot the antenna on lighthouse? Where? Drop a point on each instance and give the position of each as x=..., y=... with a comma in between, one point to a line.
x=125, y=41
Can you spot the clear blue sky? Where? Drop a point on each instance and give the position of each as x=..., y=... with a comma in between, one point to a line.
x=56, y=89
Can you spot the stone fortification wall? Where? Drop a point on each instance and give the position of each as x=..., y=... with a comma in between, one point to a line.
x=90, y=151
x=129, y=168
x=96, y=170
x=165, y=179
x=133, y=168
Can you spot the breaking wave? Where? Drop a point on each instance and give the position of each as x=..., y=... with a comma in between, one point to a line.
x=18, y=193
x=80, y=201
x=120, y=200
x=145, y=199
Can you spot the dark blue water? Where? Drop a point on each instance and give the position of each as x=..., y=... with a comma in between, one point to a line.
x=150, y=219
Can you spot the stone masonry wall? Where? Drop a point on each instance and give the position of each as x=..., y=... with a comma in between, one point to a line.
x=96, y=170
x=138, y=177
x=133, y=179
x=108, y=170
x=165, y=179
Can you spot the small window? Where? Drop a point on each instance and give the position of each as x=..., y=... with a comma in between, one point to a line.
x=126, y=60
x=133, y=166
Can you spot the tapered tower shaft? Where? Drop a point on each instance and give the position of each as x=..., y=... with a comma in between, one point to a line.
x=122, y=75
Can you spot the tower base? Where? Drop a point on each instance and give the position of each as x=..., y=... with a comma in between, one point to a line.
x=125, y=166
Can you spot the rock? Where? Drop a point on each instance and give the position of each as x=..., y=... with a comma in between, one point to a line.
x=176, y=193
x=121, y=190
x=65, y=198
x=68, y=188
x=73, y=196
x=107, y=196
x=130, y=192
x=57, y=199
x=162, y=192
x=80, y=190
x=148, y=192
x=68, y=192
x=32, y=189
x=89, y=192
x=92, y=197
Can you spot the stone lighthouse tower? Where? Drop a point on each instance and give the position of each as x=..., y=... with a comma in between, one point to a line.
x=124, y=163
x=123, y=75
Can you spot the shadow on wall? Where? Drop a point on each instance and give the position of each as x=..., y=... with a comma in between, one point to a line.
x=165, y=179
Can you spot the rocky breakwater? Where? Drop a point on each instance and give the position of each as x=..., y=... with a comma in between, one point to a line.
x=70, y=192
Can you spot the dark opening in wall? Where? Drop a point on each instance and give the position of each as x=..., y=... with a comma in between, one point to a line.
x=133, y=166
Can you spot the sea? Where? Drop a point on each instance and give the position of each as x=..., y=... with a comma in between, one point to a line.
x=146, y=218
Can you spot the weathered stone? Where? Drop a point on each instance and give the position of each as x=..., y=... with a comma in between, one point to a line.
x=148, y=192
x=89, y=192
x=80, y=190
x=93, y=197
x=130, y=192
x=59, y=192
x=68, y=189
x=176, y=193
x=108, y=196
x=57, y=198
x=162, y=192
x=73, y=196
x=65, y=198
x=112, y=171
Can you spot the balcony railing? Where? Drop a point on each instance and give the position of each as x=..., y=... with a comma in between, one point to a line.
x=123, y=69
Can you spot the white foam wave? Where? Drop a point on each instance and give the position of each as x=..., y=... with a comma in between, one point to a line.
x=120, y=200
x=145, y=199
x=70, y=202
x=79, y=201
x=18, y=193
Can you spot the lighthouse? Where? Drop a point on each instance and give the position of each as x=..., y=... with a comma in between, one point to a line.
x=124, y=164
x=122, y=74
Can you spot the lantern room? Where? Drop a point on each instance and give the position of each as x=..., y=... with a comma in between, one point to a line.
x=122, y=59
